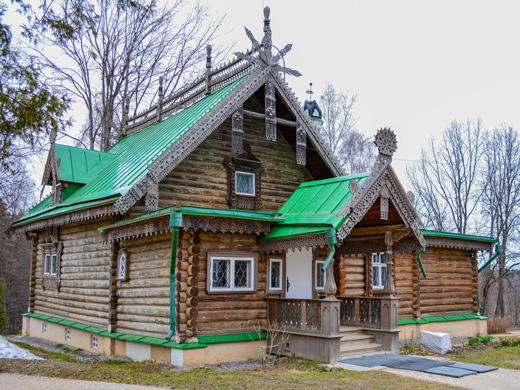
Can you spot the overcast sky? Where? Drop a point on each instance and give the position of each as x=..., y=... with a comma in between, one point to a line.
x=414, y=65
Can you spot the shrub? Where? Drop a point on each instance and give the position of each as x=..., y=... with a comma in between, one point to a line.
x=480, y=340
x=514, y=342
x=497, y=325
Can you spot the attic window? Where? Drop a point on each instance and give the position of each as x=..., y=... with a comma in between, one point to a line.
x=245, y=183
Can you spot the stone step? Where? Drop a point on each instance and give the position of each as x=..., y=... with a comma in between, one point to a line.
x=353, y=350
x=357, y=338
x=344, y=329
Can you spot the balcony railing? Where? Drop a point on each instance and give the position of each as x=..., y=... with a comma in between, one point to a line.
x=295, y=314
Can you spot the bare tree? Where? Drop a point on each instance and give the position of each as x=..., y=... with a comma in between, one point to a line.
x=446, y=178
x=15, y=197
x=501, y=205
x=353, y=149
x=110, y=51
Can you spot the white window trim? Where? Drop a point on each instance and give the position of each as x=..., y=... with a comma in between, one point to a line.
x=379, y=265
x=254, y=183
x=321, y=262
x=232, y=287
x=48, y=270
x=94, y=342
x=271, y=261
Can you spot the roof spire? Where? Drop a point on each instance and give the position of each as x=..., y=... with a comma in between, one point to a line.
x=310, y=92
x=208, y=69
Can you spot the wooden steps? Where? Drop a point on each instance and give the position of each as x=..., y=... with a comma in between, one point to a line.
x=355, y=342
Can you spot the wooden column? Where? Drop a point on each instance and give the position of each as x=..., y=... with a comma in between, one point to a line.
x=389, y=254
x=368, y=274
x=416, y=286
x=301, y=145
x=187, y=286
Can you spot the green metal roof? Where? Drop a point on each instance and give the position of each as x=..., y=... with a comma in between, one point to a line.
x=436, y=233
x=132, y=156
x=264, y=216
x=79, y=165
x=313, y=207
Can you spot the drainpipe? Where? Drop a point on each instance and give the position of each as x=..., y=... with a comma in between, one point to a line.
x=498, y=250
x=330, y=237
x=176, y=224
x=423, y=271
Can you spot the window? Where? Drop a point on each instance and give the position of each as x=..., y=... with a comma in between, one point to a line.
x=68, y=334
x=378, y=270
x=122, y=266
x=320, y=275
x=275, y=275
x=50, y=265
x=231, y=273
x=44, y=327
x=94, y=342
x=245, y=183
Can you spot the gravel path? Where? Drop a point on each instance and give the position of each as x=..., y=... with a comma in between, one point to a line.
x=29, y=382
x=11, y=351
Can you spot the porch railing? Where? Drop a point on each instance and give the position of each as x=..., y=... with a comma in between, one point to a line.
x=295, y=314
x=369, y=312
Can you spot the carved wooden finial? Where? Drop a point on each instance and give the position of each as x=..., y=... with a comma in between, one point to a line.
x=411, y=197
x=386, y=142
x=208, y=69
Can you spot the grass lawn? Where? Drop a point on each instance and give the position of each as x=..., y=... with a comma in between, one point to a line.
x=507, y=357
x=288, y=374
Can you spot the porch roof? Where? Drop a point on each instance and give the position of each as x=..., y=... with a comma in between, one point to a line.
x=313, y=207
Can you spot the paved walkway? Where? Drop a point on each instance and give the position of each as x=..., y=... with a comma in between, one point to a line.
x=30, y=382
x=501, y=379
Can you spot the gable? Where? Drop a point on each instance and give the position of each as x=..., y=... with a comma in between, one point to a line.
x=201, y=178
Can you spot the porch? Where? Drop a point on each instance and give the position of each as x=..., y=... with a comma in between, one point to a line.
x=334, y=327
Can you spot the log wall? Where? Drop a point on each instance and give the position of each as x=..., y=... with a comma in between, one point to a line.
x=232, y=312
x=352, y=275
x=201, y=178
x=85, y=267
x=449, y=285
x=143, y=303
x=404, y=276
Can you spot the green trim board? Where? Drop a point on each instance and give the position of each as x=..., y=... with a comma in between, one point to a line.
x=204, y=341
x=471, y=237
x=446, y=318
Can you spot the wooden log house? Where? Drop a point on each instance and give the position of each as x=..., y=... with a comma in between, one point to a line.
x=219, y=214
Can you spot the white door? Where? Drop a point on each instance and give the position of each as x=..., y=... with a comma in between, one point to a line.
x=299, y=273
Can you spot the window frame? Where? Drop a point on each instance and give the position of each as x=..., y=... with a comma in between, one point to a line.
x=94, y=342
x=254, y=183
x=380, y=266
x=122, y=254
x=270, y=288
x=316, y=287
x=47, y=267
x=232, y=257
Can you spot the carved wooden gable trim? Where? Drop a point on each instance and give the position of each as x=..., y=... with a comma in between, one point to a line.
x=172, y=157
x=380, y=183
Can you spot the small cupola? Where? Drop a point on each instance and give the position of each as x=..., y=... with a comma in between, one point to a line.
x=312, y=108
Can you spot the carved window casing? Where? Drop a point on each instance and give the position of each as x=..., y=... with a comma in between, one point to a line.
x=52, y=249
x=276, y=275
x=231, y=272
x=245, y=167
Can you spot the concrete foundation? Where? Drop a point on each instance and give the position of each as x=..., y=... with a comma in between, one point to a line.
x=211, y=354
x=463, y=328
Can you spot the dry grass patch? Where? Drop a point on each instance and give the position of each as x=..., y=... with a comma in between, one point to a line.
x=286, y=374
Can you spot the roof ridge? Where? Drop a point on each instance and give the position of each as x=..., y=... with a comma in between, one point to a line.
x=333, y=180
